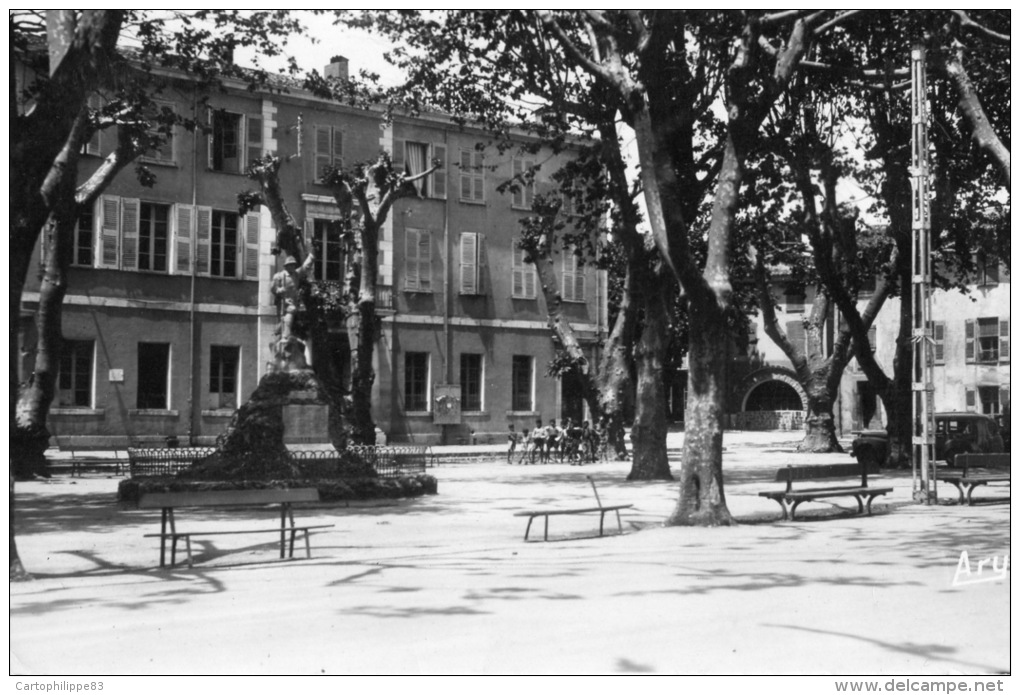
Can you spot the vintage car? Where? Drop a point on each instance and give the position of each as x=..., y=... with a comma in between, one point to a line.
x=955, y=433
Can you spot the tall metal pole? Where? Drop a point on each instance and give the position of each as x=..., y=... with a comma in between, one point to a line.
x=923, y=430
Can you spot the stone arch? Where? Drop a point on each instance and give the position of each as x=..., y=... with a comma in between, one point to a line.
x=764, y=375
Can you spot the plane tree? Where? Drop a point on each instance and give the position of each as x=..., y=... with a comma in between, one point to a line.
x=58, y=70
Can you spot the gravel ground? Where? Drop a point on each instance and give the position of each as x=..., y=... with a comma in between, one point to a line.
x=446, y=585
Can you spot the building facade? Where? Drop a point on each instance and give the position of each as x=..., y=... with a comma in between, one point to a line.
x=169, y=319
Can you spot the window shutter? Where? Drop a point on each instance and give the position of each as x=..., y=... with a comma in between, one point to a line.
x=338, y=147
x=530, y=288
x=411, y=259
x=568, y=276
x=968, y=334
x=425, y=260
x=109, y=243
x=255, y=136
x=468, y=263
x=578, y=281
x=203, y=239
x=437, y=180
x=519, y=194
x=971, y=399
x=251, y=246
x=209, y=138
x=1004, y=340
x=129, y=212
x=939, y=333
x=466, y=179
x=518, y=273
x=185, y=229
x=323, y=151
x=1003, y=396
x=397, y=156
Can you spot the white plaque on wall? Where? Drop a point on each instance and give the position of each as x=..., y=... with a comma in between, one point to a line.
x=116, y=375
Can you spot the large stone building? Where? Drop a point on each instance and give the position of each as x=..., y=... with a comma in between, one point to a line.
x=169, y=317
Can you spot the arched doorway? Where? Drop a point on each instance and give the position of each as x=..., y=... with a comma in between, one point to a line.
x=773, y=395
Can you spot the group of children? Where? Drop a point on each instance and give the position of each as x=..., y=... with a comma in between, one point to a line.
x=574, y=443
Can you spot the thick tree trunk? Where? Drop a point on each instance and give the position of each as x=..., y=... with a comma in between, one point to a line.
x=362, y=370
x=648, y=433
x=614, y=376
x=820, y=434
x=18, y=572
x=702, y=500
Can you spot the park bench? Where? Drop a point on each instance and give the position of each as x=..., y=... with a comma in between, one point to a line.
x=164, y=461
x=794, y=498
x=970, y=471
x=600, y=509
x=168, y=501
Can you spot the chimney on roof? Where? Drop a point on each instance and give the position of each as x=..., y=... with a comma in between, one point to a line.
x=337, y=68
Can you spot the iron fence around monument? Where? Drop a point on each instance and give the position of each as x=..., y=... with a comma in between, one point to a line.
x=385, y=461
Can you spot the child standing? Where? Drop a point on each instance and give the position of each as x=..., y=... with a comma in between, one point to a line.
x=512, y=437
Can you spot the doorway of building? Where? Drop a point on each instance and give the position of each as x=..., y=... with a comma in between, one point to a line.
x=571, y=398
x=774, y=395
x=867, y=407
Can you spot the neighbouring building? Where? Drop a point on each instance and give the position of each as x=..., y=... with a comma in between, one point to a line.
x=169, y=318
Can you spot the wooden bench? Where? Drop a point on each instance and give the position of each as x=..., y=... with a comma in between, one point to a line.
x=600, y=509
x=168, y=501
x=973, y=470
x=829, y=471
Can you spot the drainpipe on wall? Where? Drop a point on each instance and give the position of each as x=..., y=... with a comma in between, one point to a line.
x=194, y=266
x=447, y=279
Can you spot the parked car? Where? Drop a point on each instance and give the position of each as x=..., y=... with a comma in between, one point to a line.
x=955, y=433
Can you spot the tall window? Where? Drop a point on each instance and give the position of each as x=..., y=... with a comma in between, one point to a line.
x=987, y=340
x=153, y=376
x=472, y=176
x=470, y=382
x=416, y=381
x=153, y=231
x=522, y=383
x=225, y=142
x=523, y=193
x=74, y=385
x=525, y=283
x=223, y=246
x=329, y=256
x=84, y=238
x=573, y=278
x=989, y=396
x=223, y=365
x=415, y=158
x=418, y=260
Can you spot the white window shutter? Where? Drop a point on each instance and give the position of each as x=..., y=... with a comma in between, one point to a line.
x=129, y=213
x=251, y=245
x=468, y=263
x=425, y=260
x=437, y=180
x=518, y=273
x=338, y=147
x=323, y=150
x=109, y=243
x=411, y=259
x=184, y=232
x=578, y=281
x=466, y=179
x=253, y=125
x=203, y=239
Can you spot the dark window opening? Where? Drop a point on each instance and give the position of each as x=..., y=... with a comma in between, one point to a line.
x=153, y=375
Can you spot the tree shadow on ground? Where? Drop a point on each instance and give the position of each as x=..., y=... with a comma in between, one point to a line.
x=931, y=652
